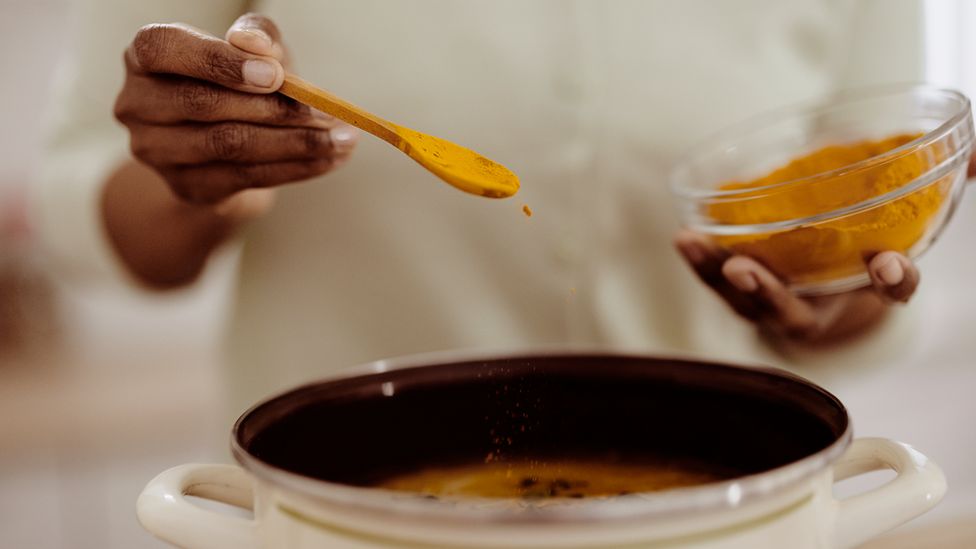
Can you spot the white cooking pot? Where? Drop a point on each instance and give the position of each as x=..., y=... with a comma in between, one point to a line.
x=306, y=457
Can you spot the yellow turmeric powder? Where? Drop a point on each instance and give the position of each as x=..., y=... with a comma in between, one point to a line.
x=837, y=248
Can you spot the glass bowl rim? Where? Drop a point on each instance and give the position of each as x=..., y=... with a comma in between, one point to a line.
x=934, y=174
x=823, y=103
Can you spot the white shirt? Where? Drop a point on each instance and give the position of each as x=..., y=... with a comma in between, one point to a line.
x=588, y=101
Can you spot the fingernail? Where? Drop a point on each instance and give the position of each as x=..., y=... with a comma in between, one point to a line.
x=891, y=272
x=261, y=36
x=343, y=136
x=745, y=282
x=259, y=73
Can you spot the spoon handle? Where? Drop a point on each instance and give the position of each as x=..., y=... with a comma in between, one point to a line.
x=304, y=92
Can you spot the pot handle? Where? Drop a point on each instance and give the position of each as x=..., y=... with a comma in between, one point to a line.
x=164, y=510
x=918, y=486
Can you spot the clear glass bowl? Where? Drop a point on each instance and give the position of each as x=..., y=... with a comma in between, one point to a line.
x=817, y=231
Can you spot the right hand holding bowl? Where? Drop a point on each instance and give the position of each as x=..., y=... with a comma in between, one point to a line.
x=826, y=198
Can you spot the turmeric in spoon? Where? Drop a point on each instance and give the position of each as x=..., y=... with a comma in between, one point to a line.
x=461, y=167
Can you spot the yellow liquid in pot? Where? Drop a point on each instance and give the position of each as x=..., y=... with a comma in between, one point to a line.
x=563, y=479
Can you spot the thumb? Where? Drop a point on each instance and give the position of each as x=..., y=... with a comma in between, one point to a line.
x=257, y=34
x=247, y=204
x=894, y=276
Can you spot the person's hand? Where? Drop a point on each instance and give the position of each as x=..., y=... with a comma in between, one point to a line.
x=758, y=295
x=202, y=112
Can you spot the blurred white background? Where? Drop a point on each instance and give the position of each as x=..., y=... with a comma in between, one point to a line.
x=98, y=392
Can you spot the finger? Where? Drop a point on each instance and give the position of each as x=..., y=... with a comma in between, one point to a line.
x=894, y=276
x=256, y=33
x=247, y=204
x=180, y=49
x=702, y=255
x=707, y=259
x=228, y=142
x=782, y=310
x=344, y=140
x=212, y=183
x=157, y=99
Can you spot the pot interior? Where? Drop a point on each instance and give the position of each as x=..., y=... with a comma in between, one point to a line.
x=364, y=430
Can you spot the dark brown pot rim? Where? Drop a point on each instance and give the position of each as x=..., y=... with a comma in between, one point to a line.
x=714, y=497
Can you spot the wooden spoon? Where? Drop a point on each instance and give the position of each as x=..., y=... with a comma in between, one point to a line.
x=461, y=167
